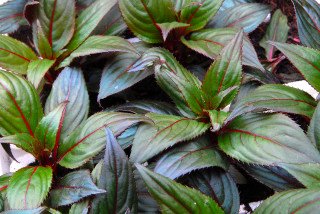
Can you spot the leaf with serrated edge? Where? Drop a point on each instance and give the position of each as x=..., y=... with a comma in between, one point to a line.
x=143, y=17
x=277, y=98
x=277, y=31
x=57, y=20
x=185, y=158
x=226, y=70
x=247, y=16
x=176, y=198
x=298, y=201
x=167, y=131
x=37, y=70
x=88, y=140
x=210, y=42
x=219, y=185
x=28, y=187
x=73, y=187
x=166, y=28
x=308, y=13
x=100, y=44
x=307, y=60
x=267, y=140
x=14, y=55
x=69, y=87
x=314, y=129
x=23, y=141
x=20, y=109
x=118, y=180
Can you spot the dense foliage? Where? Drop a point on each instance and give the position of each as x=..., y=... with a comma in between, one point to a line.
x=142, y=106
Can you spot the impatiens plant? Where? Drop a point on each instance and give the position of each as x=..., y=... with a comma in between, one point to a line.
x=218, y=129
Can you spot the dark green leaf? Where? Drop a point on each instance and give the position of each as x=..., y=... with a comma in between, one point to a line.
x=28, y=187
x=308, y=13
x=277, y=31
x=11, y=15
x=210, y=42
x=273, y=176
x=225, y=72
x=197, y=13
x=314, y=129
x=244, y=90
x=37, y=70
x=115, y=76
x=41, y=43
x=166, y=28
x=88, y=140
x=294, y=201
x=70, y=87
x=20, y=109
x=176, y=198
x=143, y=17
x=14, y=55
x=218, y=185
x=118, y=180
x=185, y=158
x=247, y=16
x=73, y=187
x=267, y=140
x=100, y=44
x=57, y=20
x=307, y=60
x=166, y=131
x=277, y=98
x=87, y=20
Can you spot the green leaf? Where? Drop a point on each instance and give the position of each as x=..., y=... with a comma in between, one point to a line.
x=57, y=20
x=4, y=182
x=73, y=187
x=118, y=180
x=210, y=42
x=307, y=60
x=41, y=42
x=180, y=84
x=166, y=28
x=143, y=17
x=14, y=55
x=88, y=139
x=80, y=207
x=218, y=185
x=185, y=158
x=307, y=173
x=308, y=13
x=48, y=131
x=176, y=198
x=314, y=129
x=20, y=109
x=274, y=177
x=278, y=98
x=115, y=76
x=87, y=20
x=293, y=201
x=267, y=140
x=112, y=23
x=100, y=44
x=37, y=70
x=225, y=72
x=277, y=31
x=31, y=211
x=11, y=15
x=166, y=131
x=197, y=13
x=70, y=87
x=247, y=16
x=24, y=141
x=217, y=119
x=28, y=187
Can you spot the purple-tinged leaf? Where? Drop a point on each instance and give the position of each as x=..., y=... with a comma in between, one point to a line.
x=166, y=28
x=73, y=187
x=117, y=179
